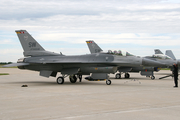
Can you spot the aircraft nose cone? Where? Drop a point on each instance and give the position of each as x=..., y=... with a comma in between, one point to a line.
x=149, y=62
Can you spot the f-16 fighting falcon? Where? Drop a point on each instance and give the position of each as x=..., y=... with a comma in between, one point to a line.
x=145, y=70
x=168, y=57
x=98, y=65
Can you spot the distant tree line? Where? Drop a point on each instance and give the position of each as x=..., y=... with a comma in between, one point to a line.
x=2, y=63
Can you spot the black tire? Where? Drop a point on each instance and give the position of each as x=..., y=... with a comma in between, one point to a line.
x=73, y=79
x=118, y=76
x=108, y=82
x=60, y=80
x=152, y=77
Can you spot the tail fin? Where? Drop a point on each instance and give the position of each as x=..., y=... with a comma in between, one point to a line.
x=28, y=42
x=170, y=54
x=93, y=47
x=30, y=45
x=157, y=51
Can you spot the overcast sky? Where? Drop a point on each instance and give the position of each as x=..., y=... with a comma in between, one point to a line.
x=138, y=26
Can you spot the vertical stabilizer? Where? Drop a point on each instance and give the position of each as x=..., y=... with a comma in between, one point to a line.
x=157, y=51
x=93, y=47
x=170, y=54
x=28, y=42
x=30, y=46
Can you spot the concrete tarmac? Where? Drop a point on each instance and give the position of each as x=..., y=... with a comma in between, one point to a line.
x=137, y=98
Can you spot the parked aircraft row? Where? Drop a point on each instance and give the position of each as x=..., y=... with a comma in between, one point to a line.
x=98, y=64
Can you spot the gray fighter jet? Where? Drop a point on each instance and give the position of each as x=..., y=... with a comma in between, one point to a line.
x=169, y=59
x=145, y=70
x=160, y=57
x=173, y=60
x=99, y=65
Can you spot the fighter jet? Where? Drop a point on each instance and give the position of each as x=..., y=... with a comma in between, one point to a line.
x=99, y=65
x=170, y=58
x=160, y=57
x=147, y=70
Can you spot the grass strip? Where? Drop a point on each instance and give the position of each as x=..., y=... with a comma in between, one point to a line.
x=4, y=73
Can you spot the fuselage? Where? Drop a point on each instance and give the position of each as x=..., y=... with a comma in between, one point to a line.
x=89, y=63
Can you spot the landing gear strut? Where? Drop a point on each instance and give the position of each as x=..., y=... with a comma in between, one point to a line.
x=126, y=75
x=80, y=77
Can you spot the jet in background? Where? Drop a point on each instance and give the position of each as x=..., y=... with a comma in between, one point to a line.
x=168, y=58
x=99, y=65
x=173, y=60
x=144, y=71
x=160, y=57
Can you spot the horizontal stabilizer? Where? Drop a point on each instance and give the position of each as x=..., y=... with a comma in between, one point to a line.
x=15, y=64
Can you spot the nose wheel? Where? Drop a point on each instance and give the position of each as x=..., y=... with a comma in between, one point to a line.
x=152, y=77
x=108, y=82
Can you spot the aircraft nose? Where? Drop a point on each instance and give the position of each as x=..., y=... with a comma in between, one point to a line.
x=149, y=62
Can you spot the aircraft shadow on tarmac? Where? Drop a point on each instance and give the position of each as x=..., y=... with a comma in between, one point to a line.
x=47, y=83
x=122, y=82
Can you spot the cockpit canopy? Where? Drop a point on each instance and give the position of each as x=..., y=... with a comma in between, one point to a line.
x=120, y=53
x=161, y=56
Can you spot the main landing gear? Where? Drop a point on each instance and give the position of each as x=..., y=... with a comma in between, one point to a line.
x=118, y=75
x=72, y=78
